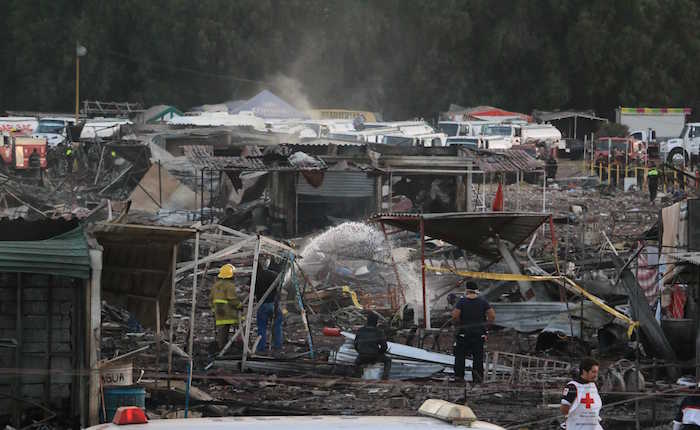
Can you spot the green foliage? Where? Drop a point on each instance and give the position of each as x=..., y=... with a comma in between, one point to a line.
x=612, y=129
x=404, y=58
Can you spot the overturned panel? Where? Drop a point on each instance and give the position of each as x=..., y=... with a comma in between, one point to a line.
x=471, y=231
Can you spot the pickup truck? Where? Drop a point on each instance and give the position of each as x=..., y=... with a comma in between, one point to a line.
x=681, y=149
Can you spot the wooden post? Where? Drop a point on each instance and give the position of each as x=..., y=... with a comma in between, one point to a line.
x=470, y=197
x=93, y=333
x=158, y=334
x=251, y=302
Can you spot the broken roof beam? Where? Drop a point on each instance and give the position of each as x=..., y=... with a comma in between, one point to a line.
x=214, y=257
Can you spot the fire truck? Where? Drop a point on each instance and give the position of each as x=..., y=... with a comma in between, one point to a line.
x=16, y=151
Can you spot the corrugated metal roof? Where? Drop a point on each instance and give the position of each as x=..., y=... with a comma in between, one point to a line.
x=326, y=142
x=340, y=184
x=688, y=257
x=63, y=255
x=510, y=160
x=554, y=116
x=471, y=231
x=201, y=158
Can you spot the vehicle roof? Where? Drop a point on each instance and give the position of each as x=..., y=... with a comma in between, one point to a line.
x=613, y=138
x=300, y=423
x=64, y=119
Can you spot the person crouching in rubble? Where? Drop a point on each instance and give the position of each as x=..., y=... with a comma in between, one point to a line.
x=580, y=401
x=688, y=416
x=371, y=347
x=225, y=304
x=470, y=315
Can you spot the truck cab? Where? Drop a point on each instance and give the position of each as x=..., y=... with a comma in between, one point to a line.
x=424, y=140
x=617, y=150
x=455, y=128
x=56, y=131
x=681, y=149
x=500, y=136
x=648, y=138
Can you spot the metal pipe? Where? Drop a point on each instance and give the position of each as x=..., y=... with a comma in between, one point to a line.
x=251, y=303
x=160, y=184
x=390, y=205
x=517, y=178
x=393, y=264
x=544, y=192
x=426, y=322
x=194, y=294
x=171, y=317
x=189, y=383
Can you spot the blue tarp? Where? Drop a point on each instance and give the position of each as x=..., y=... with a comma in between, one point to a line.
x=268, y=106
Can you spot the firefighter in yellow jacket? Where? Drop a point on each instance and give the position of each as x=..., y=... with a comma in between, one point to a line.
x=225, y=304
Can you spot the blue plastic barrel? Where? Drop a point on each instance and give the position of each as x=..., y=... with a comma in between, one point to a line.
x=123, y=396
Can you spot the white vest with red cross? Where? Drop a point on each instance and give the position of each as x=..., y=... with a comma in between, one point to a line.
x=584, y=413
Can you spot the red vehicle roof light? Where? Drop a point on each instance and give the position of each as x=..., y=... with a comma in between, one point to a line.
x=129, y=415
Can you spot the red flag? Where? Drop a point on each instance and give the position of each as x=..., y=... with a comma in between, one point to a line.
x=498, y=200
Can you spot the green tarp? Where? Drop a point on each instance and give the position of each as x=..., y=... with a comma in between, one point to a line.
x=63, y=255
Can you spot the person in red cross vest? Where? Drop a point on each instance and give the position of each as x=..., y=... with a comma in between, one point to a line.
x=580, y=401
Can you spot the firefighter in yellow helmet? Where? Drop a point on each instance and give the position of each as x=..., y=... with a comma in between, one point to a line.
x=225, y=304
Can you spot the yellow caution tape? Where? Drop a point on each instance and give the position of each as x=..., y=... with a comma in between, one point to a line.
x=222, y=301
x=561, y=280
x=353, y=296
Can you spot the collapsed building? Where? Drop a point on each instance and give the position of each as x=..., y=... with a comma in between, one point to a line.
x=358, y=227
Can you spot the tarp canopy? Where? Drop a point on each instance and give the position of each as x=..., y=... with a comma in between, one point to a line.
x=472, y=231
x=63, y=255
x=269, y=106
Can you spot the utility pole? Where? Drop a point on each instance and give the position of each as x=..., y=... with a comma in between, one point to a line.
x=80, y=51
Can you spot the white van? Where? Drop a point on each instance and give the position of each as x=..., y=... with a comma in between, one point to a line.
x=437, y=414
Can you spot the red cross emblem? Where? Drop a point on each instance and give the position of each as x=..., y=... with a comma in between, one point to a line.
x=588, y=401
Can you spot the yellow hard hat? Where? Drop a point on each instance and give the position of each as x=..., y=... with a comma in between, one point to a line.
x=227, y=271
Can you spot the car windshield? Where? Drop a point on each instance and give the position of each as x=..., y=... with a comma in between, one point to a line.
x=618, y=145
x=449, y=129
x=468, y=142
x=49, y=126
x=684, y=131
x=496, y=130
x=398, y=140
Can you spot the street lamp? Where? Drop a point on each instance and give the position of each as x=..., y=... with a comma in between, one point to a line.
x=80, y=51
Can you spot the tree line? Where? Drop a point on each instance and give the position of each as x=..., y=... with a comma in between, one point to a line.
x=403, y=58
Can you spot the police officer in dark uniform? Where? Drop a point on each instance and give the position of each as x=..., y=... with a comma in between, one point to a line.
x=470, y=316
